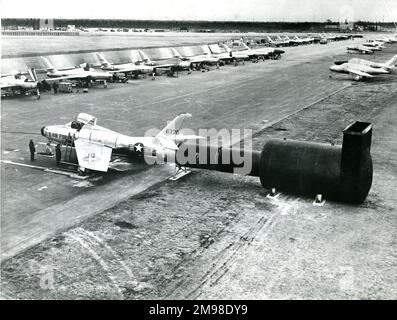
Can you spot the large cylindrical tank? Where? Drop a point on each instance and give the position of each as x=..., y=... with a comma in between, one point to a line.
x=300, y=167
x=342, y=173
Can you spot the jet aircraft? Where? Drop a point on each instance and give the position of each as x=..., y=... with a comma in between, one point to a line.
x=359, y=71
x=94, y=144
x=76, y=73
x=134, y=67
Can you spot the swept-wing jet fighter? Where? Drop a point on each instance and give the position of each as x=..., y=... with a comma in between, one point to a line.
x=174, y=63
x=286, y=42
x=360, y=49
x=134, y=67
x=94, y=144
x=275, y=42
x=237, y=55
x=19, y=83
x=75, y=73
x=373, y=45
x=265, y=52
x=387, y=40
x=197, y=60
x=219, y=52
x=357, y=70
x=303, y=40
x=292, y=42
x=389, y=65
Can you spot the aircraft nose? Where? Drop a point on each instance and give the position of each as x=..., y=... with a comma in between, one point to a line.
x=43, y=129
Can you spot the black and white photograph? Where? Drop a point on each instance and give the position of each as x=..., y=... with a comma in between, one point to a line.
x=198, y=150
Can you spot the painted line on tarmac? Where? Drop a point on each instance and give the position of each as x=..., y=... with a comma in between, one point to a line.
x=71, y=175
x=21, y=132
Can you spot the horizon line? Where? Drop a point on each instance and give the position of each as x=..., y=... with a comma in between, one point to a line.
x=183, y=20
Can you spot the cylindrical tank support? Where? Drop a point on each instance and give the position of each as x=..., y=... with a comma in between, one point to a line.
x=342, y=173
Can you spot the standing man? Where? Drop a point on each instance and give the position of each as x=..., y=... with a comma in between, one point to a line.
x=58, y=153
x=32, y=149
x=55, y=87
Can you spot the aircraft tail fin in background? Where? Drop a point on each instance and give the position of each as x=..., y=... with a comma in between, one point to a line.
x=33, y=75
x=392, y=62
x=143, y=56
x=48, y=64
x=102, y=60
x=176, y=53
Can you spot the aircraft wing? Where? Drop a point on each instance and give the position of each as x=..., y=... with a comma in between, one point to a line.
x=165, y=65
x=70, y=77
x=93, y=156
x=359, y=73
x=127, y=70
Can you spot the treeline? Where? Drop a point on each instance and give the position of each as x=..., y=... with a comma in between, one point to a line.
x=169, y=24
x=186, y=25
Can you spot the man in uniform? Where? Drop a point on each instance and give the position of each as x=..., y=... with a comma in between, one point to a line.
x=32, y=148
x=58, y=153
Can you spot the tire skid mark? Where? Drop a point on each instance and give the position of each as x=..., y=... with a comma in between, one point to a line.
x=100, y=251
x=221, y=265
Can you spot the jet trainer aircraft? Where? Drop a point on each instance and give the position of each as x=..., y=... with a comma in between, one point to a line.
x=94, y=144
x=134, y=67
x=75, y=73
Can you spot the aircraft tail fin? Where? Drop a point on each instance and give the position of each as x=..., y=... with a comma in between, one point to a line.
x=392, y=62
x=143, y=56
x=176, y=53
x=33, y=75
x=173, y=127
x=170, y=137
x=48, y=64
x=102, y=60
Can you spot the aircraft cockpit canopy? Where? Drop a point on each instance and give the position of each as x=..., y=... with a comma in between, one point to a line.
x=76, y=125
x=86, y=119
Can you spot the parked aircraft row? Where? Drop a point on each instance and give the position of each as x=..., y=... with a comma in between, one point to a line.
x=285, y=40
x=212, y=54
x=371, y=46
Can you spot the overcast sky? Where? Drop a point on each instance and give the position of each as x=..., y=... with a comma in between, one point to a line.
x=243, y=10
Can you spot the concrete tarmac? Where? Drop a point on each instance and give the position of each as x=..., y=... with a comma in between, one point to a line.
x=171, y=223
